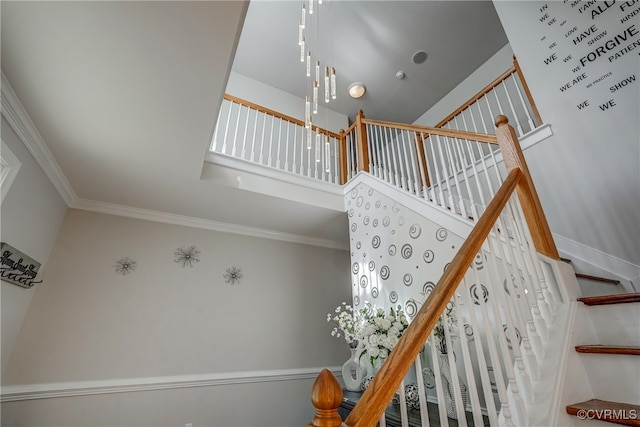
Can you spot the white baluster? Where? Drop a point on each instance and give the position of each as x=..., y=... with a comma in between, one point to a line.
x=371, y=143
x=404, y=165
x=226, y=130
x=279, y=144
x=411, y=173
x=539, y=327
x=422, y=393
x=453, y=366
x=286, y=150
x=394, y=157
x=512, y=414
x=437, y=170
x=441, y=150
x=264, y=125
x=255, y=136
x=244, y=140
x=480, y=356
x=525, y=105
x=404, y=417
x=294, y=169
x=513, y=110
x=385, y=159
x=508, y=272
x=235, y=135
x=520, y=383
x=472, y=388
x=442, y=410
x=543, y=307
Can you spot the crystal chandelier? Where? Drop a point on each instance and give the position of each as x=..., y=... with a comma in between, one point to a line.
x=307, y=28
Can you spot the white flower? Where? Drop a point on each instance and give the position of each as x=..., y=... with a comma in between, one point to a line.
x=347, y=322
x=381, y=331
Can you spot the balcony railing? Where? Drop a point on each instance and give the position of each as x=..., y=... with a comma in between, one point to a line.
x=257, y=134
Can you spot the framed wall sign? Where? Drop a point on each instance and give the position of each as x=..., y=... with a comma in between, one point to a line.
x=17, y=268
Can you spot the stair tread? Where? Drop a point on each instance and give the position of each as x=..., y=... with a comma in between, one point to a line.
x=609, y=349
x=613, y=412
x=597, y=278
x=611, y=299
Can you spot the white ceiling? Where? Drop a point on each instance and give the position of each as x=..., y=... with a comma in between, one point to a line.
x=369, y=42
x=125, y=94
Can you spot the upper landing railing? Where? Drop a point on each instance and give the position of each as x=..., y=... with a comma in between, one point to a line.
x=257, y=134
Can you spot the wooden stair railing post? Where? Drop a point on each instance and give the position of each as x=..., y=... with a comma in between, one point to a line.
x=529, y=200
x=326, y=396
x=422, y=161
x=377, y=396
x=362, y=145
x=342, y=144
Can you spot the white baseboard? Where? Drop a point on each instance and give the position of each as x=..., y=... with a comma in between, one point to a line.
x=14, y=393
x=614, y=265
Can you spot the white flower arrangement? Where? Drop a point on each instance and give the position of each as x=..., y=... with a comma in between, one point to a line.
x=381, y=332
x=347, y=323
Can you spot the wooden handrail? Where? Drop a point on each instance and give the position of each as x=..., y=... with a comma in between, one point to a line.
x=377, y=396
x=481, y=137
x=278, y=115
x=514, y=69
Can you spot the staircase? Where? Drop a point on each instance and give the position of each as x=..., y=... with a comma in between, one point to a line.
x=622, y=356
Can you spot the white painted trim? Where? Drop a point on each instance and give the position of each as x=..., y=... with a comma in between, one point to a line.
x=560, y=377
x=21, y=123
x=536, y=135
x=616, y=266
x=187, y=221
x=271, y=172
x=15, y=393
x=10, y=165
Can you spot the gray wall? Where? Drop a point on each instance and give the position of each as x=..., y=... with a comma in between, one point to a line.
x=588, y=174
x=90, y=323
x=32, y=213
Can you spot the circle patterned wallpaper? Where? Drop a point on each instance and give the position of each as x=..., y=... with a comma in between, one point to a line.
x=395, y=251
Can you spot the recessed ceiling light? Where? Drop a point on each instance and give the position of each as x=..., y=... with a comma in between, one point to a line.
x=357, y=90
x=419, y=57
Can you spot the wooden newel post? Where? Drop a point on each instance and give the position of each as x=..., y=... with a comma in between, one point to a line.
x=326, y=396
x=529, y=200
x=363, y=146
x=343, y=157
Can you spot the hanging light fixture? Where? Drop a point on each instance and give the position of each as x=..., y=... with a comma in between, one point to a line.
x=307, y=35
x=329, y=81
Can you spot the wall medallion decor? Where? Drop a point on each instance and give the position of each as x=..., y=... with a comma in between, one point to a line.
x=125, y=265
x=18, y=268
x=233, y=276
x=187, y=256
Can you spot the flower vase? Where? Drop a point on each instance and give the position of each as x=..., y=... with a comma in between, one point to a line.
x=352, y=372
x=374, y=366
x=447, y=385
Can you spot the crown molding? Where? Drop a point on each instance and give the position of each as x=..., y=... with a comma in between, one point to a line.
x=21, y=123
x=15, y=393
x=206, y=224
